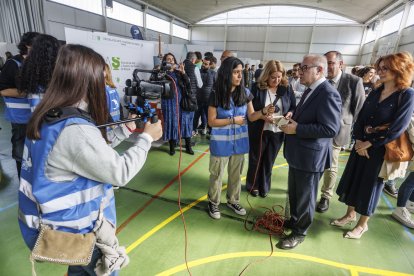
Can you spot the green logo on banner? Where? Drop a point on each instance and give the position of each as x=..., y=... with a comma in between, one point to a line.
x=116, y=62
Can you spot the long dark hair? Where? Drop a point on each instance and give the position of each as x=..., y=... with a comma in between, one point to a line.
x=78, y=75
x=224, y=84
x=38, y=66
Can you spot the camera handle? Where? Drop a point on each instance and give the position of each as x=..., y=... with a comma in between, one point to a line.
x=154, y=119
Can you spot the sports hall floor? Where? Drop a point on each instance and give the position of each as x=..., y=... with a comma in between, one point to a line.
x=150, y=226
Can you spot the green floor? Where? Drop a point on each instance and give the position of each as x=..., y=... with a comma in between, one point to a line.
x=151, y=228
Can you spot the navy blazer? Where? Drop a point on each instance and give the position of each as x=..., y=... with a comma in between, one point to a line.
x=259, y=102
x=319, y=120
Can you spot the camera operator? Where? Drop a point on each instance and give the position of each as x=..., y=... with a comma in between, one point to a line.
x=169, y=107
x=67, y=162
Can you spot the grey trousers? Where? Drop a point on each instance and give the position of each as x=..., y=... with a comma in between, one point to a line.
x=330, y=175
x=234, y=170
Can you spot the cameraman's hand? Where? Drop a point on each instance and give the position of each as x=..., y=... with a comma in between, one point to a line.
x=181, y=68
x=131, y=125
x=155, y=130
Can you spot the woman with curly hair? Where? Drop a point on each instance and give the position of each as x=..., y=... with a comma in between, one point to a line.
x=38, y=67
x=388, y=107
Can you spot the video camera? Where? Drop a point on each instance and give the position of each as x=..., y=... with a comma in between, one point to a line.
x=158, y=86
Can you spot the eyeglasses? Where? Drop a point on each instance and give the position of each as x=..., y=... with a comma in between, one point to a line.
x=383, y=69
x=305, y=68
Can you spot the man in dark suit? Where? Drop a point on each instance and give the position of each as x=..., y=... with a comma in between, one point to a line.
x=308, y=145
x=352, y=93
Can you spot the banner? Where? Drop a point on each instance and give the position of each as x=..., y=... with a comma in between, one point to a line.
x=122, y=54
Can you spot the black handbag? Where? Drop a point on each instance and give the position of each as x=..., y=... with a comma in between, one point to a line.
x=188, y=101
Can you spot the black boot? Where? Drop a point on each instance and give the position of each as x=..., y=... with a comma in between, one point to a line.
x=188, y=148
x=172, y=147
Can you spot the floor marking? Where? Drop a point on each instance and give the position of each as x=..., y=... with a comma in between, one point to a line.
x=177, y=214
x=391, y=207
x=353, y=268
x=136, y=213
x=8, y=207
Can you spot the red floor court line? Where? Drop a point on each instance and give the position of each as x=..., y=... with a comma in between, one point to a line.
x=137, y=212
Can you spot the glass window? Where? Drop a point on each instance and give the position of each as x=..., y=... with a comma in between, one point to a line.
x=180, y=32
x=94, y=6
x=277, y=15
x=125, y=14
x=157, y=24
x=371, y=35
x=391, y=24
x=410, y=19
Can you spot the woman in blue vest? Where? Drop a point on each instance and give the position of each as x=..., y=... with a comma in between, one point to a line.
x=37, y=69
x=265, y=137
x=171, y=108
x=112, y=96
x=230, y=105
x=68, y=167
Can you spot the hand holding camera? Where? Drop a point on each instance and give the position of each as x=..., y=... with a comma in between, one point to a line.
x=155, y=130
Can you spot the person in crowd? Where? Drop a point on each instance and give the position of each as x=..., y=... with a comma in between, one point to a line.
x=294, y=82
x=392, y=103
x=171, y=108
x=246, y=75
x=112, y=97
x=230, y=105
x=308, y=145
x=352, y=94
x=72, y=108
x=405, y=199
x=37, y=69
x=289, y=73
x=226, y=54
x=8, y=55
x=265, y=137
x=251, y=75
x=258, y=71
x=193, y=72
x=208, y=54
x=203, y=95
x=367, y=73
x=199, y=60
x=213, y=64
x=17, y=109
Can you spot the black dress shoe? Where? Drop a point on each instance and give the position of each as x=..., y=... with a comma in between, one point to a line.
x=254, y=193
x=290, y=241
x=263, y=195
x=323, y=205
x=287, y=224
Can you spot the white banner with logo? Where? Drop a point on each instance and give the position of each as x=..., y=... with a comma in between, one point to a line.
x=122, y=54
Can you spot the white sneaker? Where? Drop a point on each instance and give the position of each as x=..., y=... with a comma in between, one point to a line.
x=402, y=215
x=410, y=206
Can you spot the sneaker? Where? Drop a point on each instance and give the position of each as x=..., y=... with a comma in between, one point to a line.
x=402, y=215
x=410, y=206
x=391, y=190
x=213, y=211
x=237, y=208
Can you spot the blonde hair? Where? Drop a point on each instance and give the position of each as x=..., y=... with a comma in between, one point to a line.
x=271, y=67
x=108, y=77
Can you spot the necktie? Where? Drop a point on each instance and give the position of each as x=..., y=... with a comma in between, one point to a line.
x=302, y=99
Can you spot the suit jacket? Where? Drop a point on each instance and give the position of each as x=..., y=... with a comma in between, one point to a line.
x=352, y=93
x=259, y=102
x=310, y=149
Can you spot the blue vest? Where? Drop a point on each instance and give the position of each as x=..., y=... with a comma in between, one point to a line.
x=231, y=139
x=113, y=101
x=17, y=109
x=71, y=206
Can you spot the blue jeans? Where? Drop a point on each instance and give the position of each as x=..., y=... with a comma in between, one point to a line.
x=88, y=270
x=406, y=191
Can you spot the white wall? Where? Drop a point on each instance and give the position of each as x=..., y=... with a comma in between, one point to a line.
x=286, y=43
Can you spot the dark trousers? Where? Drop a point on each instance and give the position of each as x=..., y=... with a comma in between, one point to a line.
x=406, y=191
x=17, y=140
x=303, y=189
x=270, y=146
x=202, y=112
